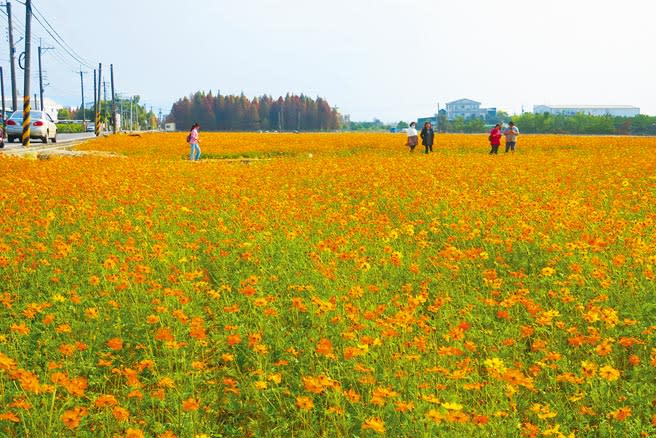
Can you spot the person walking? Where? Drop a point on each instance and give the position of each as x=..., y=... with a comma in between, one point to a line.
x=511, y=133
x=427, y=136
x=495, y=139
x=194, y=143
x=413, y=140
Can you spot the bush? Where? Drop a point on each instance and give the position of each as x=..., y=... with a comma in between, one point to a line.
x=69, y=128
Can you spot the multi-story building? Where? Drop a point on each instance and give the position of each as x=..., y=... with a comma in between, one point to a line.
x=468, y=109
x=592, y=110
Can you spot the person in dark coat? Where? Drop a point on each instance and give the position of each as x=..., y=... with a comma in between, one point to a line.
x=427, y=136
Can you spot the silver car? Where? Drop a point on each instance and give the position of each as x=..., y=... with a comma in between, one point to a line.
x=43, y=127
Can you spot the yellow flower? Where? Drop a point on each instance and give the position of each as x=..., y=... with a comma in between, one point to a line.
x=609, y=373
x=452, y=406
x=495, y=364
x=375, y=424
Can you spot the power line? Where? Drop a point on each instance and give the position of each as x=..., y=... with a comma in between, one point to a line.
x=58, y=38
x=78, y=60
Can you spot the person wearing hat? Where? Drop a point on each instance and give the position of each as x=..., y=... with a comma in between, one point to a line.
x=511, y=133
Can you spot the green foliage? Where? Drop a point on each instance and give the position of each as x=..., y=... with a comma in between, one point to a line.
x=375, y=125
x=64, y=114
x=69, y=128
x=585, y=124
x=457, y=125
x=142, y=119
x=474, y=125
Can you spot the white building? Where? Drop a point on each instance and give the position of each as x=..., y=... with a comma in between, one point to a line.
x=591, y=110
x=467, y=109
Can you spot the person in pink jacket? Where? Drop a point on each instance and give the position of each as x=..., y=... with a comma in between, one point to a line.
x=194, y=143
x=495, y=139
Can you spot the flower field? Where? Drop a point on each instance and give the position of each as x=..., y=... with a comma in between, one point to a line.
x=330, y=285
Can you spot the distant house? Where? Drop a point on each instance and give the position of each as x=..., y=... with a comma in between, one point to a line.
x=422, y=120
x=591, y=110
x=468, y=109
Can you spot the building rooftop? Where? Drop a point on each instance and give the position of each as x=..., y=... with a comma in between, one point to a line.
x=463, y=101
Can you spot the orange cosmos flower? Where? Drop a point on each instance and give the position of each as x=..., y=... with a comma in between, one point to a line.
x=135, y=394
x=480, y=420
x=620, y=414
x=304, y=403
x=20, y=329
x=134, y=433
x=105, y=400
x=375, y=424
x=401, y=406
x=67, y=349
x=191, y=404
x=121, y=414
x=164, y=334
x=9, y=416
x=115, y=344
x=72, y=417
x=152, y=319
x=234, y=339
x=324, y=348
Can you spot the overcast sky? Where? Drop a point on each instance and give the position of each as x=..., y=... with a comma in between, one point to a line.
x=390, y=59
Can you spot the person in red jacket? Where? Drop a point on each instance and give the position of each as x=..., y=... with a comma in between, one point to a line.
x=495, y=139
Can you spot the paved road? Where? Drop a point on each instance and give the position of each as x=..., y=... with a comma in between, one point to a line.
x=61, y=139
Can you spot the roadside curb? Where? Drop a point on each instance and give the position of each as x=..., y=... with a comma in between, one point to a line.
x=19, y=150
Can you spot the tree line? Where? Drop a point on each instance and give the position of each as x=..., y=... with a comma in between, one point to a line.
x=239, y=113
x=530, y=123
x=586, y=124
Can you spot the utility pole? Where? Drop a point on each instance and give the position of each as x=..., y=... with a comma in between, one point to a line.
x=27, y=122
x=41, y=50
x=95, y=103
x=12, y=62
x=98, y=103
x=111, y=74
x=105, y=91
x=2, y=88
x=84, y=116
x=131, y=124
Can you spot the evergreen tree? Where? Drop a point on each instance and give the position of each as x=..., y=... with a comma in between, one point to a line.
x=238, y=113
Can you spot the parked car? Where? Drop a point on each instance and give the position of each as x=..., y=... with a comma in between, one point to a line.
x=43, y=127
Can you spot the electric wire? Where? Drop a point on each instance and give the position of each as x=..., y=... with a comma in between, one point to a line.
x=57, y=37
